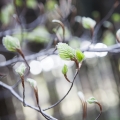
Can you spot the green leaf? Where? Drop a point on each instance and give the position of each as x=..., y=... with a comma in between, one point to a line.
x=31, y=3
x=65, y=69
x=21, y=69
x=19, y=3
x=50, y=5
x=11, y=43
x=6, y=12
x=65, y=51
x=116, y=17
x=88, y=23
x=91, y=100
x=32, y=82
x=79, y=55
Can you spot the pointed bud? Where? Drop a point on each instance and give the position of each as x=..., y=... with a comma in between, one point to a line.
x=11, y=43
x=88, y=23
x=65, y=51
x=65, y=69
x=118, y=35
x=91, y=100
x=81, y=96
x=32, y=82
x=79, y=55
x=61, y=24
x=21, y=69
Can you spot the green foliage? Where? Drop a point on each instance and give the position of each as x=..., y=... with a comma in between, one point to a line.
x=79, y=55
x=32, y=82
x=11, y=43
x=88, y=23
x=116, y=17
x=31, y=3
x=108, y=38
x=68, y=53
x=39, y=35
x=19, y=3
x=95, y=14
x=65, y=69
x=50, y=5
x=91, y=100
x=21, y=69
x=65, y=51
x=6, y=12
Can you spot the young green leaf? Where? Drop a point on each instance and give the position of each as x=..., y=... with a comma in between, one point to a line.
x=21, y=69
x=88, y=23
x=79, y=55
x=91, y=100
x=11, y=43
x=65, y=51
x=65, y=69
x=32, y=82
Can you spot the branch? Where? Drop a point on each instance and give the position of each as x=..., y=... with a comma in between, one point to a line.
x=11, y=90
x=65, y=94
x=112, y=49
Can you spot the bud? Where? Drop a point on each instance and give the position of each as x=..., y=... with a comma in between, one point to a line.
x=65, y=69
x=118, y=35
x=81, y=96
x=65, y=51
x=32, y=82
x=91, y=100
x=88, y=23
x=21, y=69
x=11, y=43
x=79, y=55
x=61, y=24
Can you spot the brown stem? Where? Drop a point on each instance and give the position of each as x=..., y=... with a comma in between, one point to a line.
x=21, y=53
x=22, y=80
x=67, y=78
x=100, y=109
x=37, y=100
x=84, y=110
x=76, y=62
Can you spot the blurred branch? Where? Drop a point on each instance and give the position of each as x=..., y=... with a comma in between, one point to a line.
x=97, y=28
x=112, y=49
x=10, y=89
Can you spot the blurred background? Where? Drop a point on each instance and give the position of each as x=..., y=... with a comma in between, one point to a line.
x=31, y=22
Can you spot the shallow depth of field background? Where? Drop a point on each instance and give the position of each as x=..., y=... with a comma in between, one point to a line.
x=99, y=75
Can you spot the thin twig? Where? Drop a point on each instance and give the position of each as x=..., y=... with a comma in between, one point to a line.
x=10, y=89
x=65, y=94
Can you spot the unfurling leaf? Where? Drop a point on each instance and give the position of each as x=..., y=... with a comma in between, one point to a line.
x=32, y=82
x=91, y=100
x=65, y=69
x=11, y=43
x=88, y=23
x=21, y=69
x=79, y=55
x=65, y=51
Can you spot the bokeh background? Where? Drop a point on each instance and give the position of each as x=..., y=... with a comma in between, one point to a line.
x=99, y=75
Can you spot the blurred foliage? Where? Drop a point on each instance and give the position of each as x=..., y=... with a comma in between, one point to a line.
x=108, y=38
x=39, y=35
x=6, y=13
x=95, y=14
x=50, y=5
x=115, y=17
x=31, y=3
x=74, y=42
x=19, y=3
